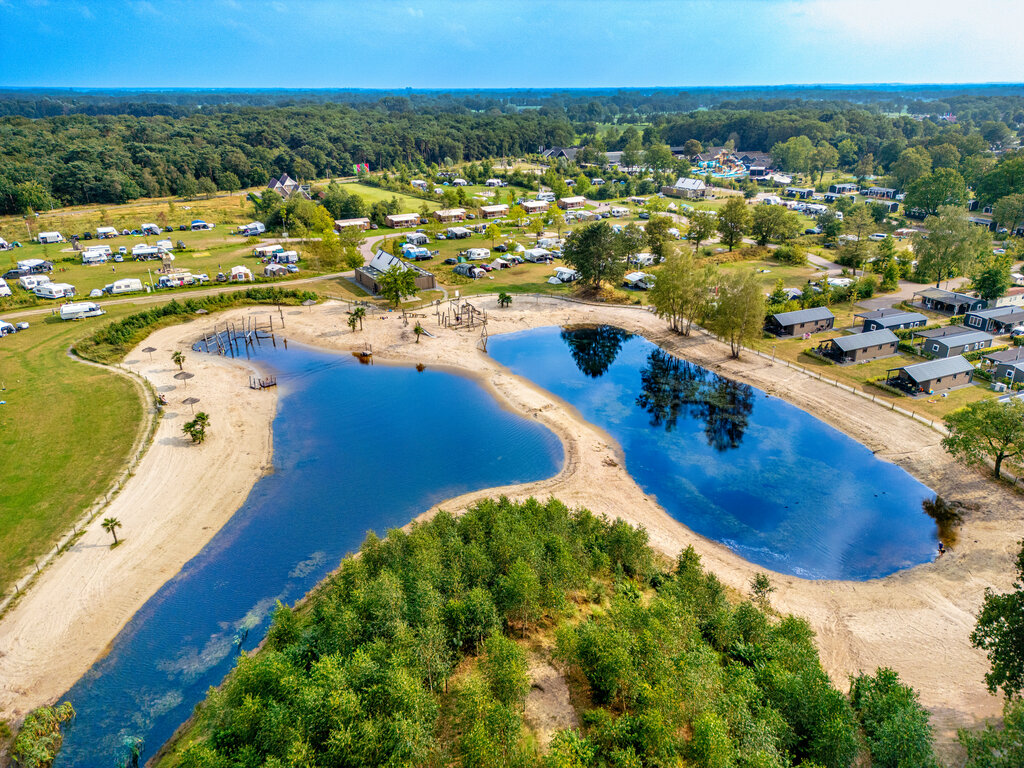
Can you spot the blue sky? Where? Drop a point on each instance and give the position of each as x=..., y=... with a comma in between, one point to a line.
x=509, y=43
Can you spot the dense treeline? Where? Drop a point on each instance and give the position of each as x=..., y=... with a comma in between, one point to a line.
x=82, y=159
x=412, y=655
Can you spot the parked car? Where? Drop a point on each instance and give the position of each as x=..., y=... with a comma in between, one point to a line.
x=446, y=261
x=221, y=277
x=87, y=235
x=502, y=248
x=118, y=258
x=182, y=228
x=293, y=268
x=813, y=231
x=168, y=229
x=12, y=274
x=21, y=326
x=201, y=278
x=877, y=236
x=644, y=215
x=122, y=251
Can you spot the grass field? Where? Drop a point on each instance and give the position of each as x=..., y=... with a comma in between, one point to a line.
x=66, y=430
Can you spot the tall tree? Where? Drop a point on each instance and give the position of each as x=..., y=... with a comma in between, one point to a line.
x=1000, y=633
x=943, y=186
x=823, y=157
x=1008, y=211
x=986, y=430
x=703, y=225
x=733, y=221
x=397, y=283
x=913, y=163
x=738, y=313
x=656, y=236
x=774, y=223
x=992, y=278
x=591, y=250
x=952, y=247
x=682, y=291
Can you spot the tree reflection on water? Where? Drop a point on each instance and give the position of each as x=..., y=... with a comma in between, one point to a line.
x=595, y=348
x=672, y=388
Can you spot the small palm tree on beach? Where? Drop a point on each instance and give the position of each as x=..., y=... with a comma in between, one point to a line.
x=504, y=299
x=110, y=525
x=419, y=331
x=178, y=358
x=359, y=313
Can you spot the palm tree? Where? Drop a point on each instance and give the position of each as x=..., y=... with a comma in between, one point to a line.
x=111, y=524
x=178, y=358
x=352, y=322
x=504, y=299
x=419, y=331
x=359, y=313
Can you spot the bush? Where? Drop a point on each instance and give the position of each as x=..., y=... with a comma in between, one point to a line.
x=791, y=254
x=895, y=724
x=879, y=382
x=978, y=354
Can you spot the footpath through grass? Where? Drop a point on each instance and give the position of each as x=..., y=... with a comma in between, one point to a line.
x=66, y=430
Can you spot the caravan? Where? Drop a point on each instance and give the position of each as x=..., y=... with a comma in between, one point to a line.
x=94, y=257
x=285, y=257
x=143, y=252
x=268, y=249
x=51, y=237
x=54, y=290
x=105, y=232
x=76, y=311
x=5, y=289
x=29, y=282
x=252, y=229
x=126, y=285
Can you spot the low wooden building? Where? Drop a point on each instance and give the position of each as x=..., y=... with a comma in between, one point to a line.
x=397, y=220
x=340, y=224
x=996, y=320
x=800, y=321
x=859, y=347
x=448, y=215
x=1007, y=364
x=957, y=344
x=572, y=203
x=950, y=302
x=893, y=319
x=932, y=376
x=535, y=206
x=368, y=276
x=493, y=211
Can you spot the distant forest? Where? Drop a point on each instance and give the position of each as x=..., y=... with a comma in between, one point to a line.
x=106, y=147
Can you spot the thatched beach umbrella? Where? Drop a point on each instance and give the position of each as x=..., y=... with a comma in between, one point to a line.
x=184, y=376
x=150, y=350
x=309, y=302
x=190, y=402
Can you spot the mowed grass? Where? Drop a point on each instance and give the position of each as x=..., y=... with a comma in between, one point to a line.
x=371, y=195
x=66, y=431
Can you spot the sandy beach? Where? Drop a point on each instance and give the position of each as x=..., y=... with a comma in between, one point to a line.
x=916, y=621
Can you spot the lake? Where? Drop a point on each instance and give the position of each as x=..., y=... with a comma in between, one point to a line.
x=356, y=448
x=777, y=486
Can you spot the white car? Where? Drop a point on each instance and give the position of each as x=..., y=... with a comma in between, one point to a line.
x=877, y=236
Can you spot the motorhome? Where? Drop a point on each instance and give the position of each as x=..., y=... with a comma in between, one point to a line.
x=29, y=282
x=537, y=255
x=478, y=254
x=638, y=280
x=104, y=249
x=126, y=285
x=546, y=197
x=5, y=289
x=175, y=280
x=564, y=275
x=35, y=266
x=80, y=309
x=165, y=244
x=51, y=237
x=54, y=290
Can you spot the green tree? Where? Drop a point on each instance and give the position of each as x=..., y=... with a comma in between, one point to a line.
x=738, y=314
x=178, y=358
x=1008, y=211
x=196, y=429
x=110, y=525
x=692, y=148
x=505, y=669
x=493, y=233
x=823, y=157
x=632, y=154
x=952, y=247
x=504, y=299
x=682, y=291
x=702, y=226
x=733, y=221
x=895, y=724
x=831, y=226
x=761, y=589
x=710, y=746
x=535, y=227
x=774, y=223
x=658, y=157
x=518, y=594
x=397, y=282
x=1000, y=631
x=986, y=430
x=517, y=215
x=858, y=223
x=999, y=746
x=359, y=313
x=206, y=187
x=794, y=154
x=992, y=277
x=352, y=322
x=942, y=187
x=913, y=163
x=656, y=236
x=418, y=330
x=591, y=250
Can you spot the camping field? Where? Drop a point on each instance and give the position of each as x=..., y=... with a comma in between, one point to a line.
x=66, y=430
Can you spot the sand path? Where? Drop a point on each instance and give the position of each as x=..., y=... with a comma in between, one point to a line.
x=916, y=621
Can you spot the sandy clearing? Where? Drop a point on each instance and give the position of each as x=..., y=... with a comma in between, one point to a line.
x=916, y=621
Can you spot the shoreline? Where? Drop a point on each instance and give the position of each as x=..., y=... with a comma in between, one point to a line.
x=916, y=620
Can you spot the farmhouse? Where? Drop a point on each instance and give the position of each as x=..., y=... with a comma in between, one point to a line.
x=932, y=376
x=361, y=224
x=892, y=319
x=493, y=211
x=534, y=206
x=368, y=276
x=448, y=215
x=994, y=319
x=950, y=302
x=397, y=220
x=860, y=346
x=686, y=187
x=800, y=321
x=957, y=344
x=571, y=203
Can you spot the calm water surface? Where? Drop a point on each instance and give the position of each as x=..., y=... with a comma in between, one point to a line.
x=774, y=484
x=356, y=448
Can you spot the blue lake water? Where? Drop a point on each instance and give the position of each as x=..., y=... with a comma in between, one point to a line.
x=356, y=448
x=776, y=485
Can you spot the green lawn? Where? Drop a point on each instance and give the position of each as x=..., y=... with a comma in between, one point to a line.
x=371, y=195
x=66, y=430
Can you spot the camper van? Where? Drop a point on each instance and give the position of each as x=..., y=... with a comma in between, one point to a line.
x=51, y=237
x=6, y=328
x=105, y=232
x=29, y=282
x=252, y=228
x=5, y=289
x=478, y=254
x=94, y=257
x=78, y=310
x=127, y=285
x=546, y=197
x=54, y=290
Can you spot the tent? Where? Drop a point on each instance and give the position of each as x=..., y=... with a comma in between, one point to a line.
x=240, y=274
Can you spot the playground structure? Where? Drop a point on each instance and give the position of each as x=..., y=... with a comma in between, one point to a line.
x=234, y=340
x=723, y=166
